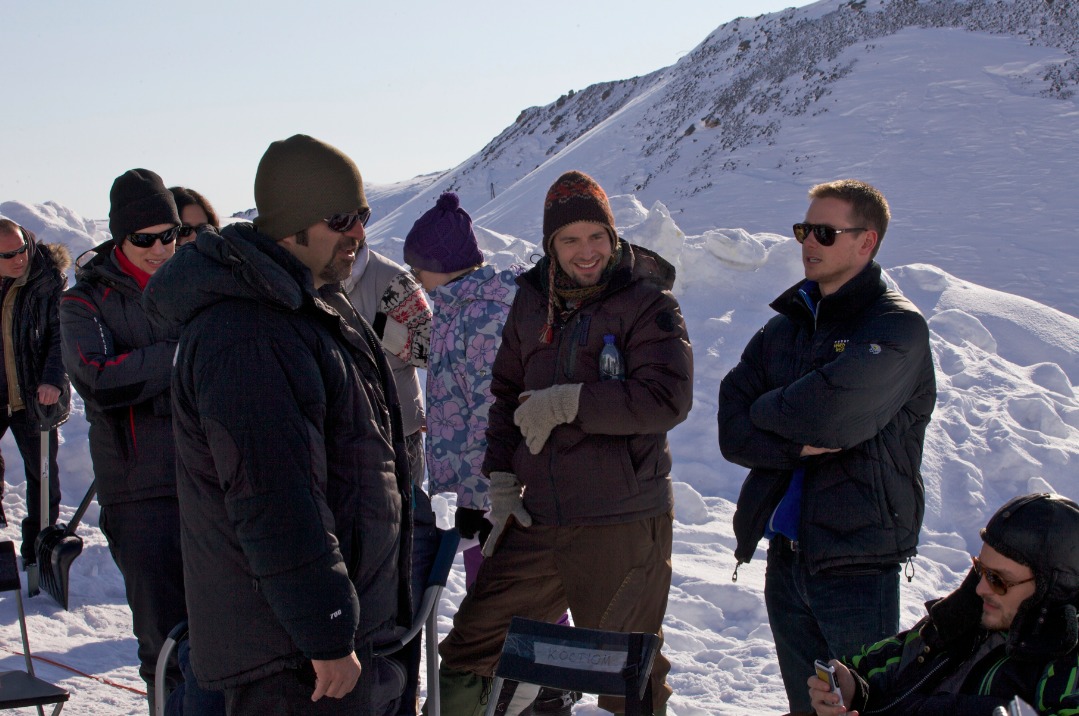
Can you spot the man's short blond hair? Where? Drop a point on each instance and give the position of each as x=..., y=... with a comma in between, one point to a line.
x=868, y=206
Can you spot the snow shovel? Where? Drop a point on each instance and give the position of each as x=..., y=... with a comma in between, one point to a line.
x=57, y=547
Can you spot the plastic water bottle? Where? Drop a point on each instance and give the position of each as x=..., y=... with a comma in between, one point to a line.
x=611, y=365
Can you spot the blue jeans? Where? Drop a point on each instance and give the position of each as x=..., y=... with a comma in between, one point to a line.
x=824, y=615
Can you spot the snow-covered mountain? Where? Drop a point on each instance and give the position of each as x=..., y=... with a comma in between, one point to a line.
x=964, y=113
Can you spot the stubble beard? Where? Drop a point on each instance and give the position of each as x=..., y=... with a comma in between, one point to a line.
x=338, y=269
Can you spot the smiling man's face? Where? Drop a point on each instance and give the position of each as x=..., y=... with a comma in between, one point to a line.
x=583, y=250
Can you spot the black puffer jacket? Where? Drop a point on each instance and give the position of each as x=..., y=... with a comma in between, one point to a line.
x=291, y=470
x=858, y=377
x=35, y=331
x=121, y=366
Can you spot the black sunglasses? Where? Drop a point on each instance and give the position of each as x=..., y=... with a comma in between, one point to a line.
x=145, y=241
x=189, y=230
x=16, y=252
x=824, y=234
x=343, y=223
x=997, y=583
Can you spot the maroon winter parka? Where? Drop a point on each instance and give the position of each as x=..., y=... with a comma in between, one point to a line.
x=612, y=463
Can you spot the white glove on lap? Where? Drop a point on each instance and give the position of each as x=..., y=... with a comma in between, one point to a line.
x=544, y=410
x=507, y=500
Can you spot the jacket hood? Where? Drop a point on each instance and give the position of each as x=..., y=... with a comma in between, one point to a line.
x=56, y=254
x=96, y=260
x=484, y=284
x=637, y=264
x=1042, y=630
x=238, y=262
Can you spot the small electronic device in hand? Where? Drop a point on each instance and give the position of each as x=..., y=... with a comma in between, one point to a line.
x=826, y=672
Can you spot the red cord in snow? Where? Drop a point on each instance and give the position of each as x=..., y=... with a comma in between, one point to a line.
x=73, y=670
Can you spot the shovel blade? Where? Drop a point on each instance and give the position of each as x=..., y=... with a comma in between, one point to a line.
x=56, y=549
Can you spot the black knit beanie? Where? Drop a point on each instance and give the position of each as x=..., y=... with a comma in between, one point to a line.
x=301, y=181
x=139, y=200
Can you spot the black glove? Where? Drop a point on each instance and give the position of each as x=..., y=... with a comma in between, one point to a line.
x=470, y=522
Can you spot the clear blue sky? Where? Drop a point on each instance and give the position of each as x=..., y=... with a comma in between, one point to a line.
x=197, y=90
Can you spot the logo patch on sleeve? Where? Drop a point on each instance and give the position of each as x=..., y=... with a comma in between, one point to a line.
x=874, y=349
x=840, y=345
x=665, y=321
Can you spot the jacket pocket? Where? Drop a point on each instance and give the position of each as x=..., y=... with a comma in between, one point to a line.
x=607, y=457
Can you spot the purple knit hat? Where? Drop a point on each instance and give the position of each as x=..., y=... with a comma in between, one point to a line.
x=442, y=240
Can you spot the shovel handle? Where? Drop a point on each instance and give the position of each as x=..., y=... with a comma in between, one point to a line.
x=83, y=506
x=43, y=479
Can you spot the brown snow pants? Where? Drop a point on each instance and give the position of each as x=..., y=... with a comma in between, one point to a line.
x=613, y=577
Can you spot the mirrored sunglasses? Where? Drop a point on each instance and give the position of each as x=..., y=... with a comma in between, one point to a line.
x=145, y=241
x=343, y=223
x=824, y=234
x=997, y=583
x=16, y=252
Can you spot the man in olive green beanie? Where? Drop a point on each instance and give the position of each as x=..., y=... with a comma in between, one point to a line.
x=292, y=471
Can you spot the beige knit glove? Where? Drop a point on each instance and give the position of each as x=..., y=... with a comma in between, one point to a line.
x=507, y=500
x=543, y=410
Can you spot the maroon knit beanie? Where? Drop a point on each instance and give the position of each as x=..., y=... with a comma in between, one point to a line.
x=442, y=240
x=574, y=197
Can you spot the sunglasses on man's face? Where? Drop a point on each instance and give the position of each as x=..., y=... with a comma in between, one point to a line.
x=145, y=241
x=343, y=223
x=16, y=252
x=824, y=234
x=997, y=583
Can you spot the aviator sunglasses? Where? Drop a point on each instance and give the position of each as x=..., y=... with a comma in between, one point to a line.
x=16, y=252
x=145, y=241
x=997, y=583
x=824, y=234
x=343, y=223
